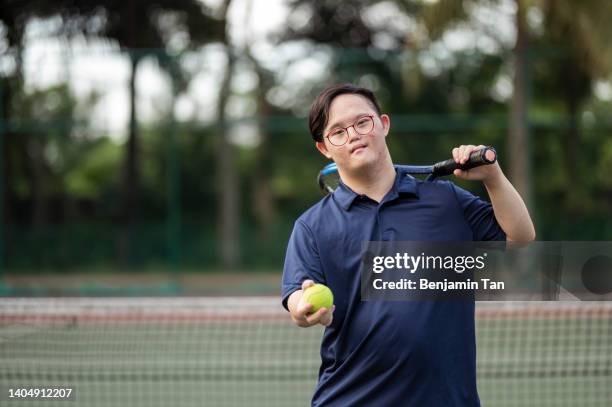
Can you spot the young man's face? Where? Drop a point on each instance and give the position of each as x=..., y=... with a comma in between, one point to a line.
x=360, y=150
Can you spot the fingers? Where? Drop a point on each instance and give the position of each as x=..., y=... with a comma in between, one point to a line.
x=463, y=174
x=303, y=309
x=328, y=317
x=456, y=154
x=323, y=316
x=462, y=153
x=304, y=316
x=307, y=283
x=305, y=319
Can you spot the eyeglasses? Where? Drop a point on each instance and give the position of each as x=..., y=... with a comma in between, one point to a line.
x=339, y=136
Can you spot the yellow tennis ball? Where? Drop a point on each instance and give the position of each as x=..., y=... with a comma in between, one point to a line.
x=320, y=296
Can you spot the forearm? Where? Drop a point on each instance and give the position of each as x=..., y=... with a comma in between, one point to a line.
x=510, y=210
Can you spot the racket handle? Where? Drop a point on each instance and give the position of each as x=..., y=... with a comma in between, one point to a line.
x=484, y=156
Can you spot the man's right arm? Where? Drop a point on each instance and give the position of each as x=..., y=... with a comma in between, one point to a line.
x=300, y=311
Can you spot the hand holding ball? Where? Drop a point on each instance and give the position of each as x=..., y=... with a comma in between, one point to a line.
x=319, y=296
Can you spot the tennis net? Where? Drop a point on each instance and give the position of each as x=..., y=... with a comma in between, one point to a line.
x=245, y=351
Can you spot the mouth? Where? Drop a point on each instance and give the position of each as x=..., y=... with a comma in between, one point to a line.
x=357, y=148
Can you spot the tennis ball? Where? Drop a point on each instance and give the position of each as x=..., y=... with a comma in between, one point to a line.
x=319, y=295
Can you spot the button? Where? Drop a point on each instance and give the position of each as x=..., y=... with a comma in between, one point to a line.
x=388, y=235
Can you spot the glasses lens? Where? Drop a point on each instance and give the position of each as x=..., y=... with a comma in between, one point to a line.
x=337, y=137
x=364, y=125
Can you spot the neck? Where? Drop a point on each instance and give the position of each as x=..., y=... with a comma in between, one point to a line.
x=374, y=181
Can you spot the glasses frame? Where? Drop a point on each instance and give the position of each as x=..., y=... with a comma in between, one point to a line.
x=346, y=133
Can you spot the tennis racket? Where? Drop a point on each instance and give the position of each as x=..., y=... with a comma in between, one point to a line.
x=329, y=179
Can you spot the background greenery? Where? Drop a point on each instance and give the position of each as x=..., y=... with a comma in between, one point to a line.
x=186, y=193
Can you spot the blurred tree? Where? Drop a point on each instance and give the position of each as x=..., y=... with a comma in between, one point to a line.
x=90, y=170
x=143, y=29
x=332, y=23
x=147, y=28
x=442, y=15
x=382, y=44
x=518, y=136
x=44, y=112
x=263, y=199
x=14, y=16
x=582, y=31
x=227, y=179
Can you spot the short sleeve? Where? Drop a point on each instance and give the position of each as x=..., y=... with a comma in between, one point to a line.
x=302, y=261
x=480, y=216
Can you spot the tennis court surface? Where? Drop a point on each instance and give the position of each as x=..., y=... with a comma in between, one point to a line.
x=226, y=352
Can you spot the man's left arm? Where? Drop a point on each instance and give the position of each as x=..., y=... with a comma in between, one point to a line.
x=510, y=210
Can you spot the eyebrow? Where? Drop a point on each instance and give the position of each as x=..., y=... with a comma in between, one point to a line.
x=338, y=123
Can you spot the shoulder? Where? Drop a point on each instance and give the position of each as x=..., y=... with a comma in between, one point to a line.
x=441, y=189
x=312, y=217
x=445, y=193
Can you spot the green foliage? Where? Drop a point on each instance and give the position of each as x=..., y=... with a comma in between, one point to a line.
x=57, y=161
x=95, y=172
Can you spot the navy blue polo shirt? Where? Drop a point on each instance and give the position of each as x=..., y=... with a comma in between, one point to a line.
x=389, y=353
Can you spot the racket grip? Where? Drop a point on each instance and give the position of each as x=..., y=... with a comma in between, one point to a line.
x=484, y=156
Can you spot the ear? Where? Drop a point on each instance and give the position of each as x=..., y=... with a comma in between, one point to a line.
x=323, y=149
x=386, y=123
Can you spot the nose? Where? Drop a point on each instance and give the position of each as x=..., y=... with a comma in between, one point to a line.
x=352, y=133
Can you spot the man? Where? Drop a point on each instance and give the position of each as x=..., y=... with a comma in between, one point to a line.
x=385, y=353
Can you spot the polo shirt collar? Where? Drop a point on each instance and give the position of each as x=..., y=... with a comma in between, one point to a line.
x=345, y=196
x=404, y=184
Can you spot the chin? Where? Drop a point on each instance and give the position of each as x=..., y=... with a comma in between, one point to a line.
x=361, y=163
